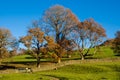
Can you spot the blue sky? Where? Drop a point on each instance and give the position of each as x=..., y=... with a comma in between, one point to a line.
x=17, y=15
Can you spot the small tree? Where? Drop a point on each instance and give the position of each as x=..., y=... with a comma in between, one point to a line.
x=116, y=43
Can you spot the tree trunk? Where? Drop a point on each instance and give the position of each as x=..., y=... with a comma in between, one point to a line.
x=81, y=52
x=95, y=50
x=0, y=61
x=57, y=37
x=82, y=56
x=58, y=60
x=38, y=62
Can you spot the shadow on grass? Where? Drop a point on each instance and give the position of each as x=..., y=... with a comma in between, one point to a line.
x=30, y=58
x=90, y=57
x=117, y=55
x=20, y=62
x=115, y=68
x=25, y=62
x=59, y=78
x=78, y=58
x=4, y=67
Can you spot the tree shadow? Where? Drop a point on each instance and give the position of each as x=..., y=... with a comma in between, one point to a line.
x=91, y=57
x=20, y=62
x=115, y=68
x=30, y=58
x=59, y=78
x=26, y=62
x=117, y=55
x=78, y=58
x=4, y=67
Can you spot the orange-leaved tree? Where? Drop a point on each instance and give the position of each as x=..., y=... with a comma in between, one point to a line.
x=37, y=43
x=34, y=41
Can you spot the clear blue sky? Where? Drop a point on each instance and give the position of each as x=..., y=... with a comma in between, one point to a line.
x=17, y=15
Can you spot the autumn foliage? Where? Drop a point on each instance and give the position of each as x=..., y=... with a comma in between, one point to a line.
x=59, y=32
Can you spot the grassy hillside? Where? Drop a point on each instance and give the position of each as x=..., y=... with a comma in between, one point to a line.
x=104, y=65
x=105, y=52
x=94, y=70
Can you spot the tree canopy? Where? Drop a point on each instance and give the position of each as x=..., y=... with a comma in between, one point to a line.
x=7, y=42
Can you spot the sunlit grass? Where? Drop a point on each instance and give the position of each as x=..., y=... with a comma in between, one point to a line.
x=92, y=71
x=105, y=52
x=106, y=68
x=83, y=71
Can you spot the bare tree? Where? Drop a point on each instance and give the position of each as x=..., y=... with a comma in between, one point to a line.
x=89, y=34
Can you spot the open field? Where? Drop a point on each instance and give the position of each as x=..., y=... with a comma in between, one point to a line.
x=76, y=70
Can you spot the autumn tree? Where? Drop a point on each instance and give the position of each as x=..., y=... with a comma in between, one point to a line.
x=6, y=42
x=37, y=43
x=88, y=34
x=53, y=49
x=60, y=21
x=34, y=39
x=116, y=43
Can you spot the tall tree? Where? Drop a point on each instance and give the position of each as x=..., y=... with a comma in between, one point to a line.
x=6, y=42
x=89, y=34
x=60, y=21
x=116, y=43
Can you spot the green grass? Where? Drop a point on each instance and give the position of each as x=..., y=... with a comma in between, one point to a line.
x=105, y=52
x=20, y=58
x=103, y=69
x=86, y=71
x=23, y=76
